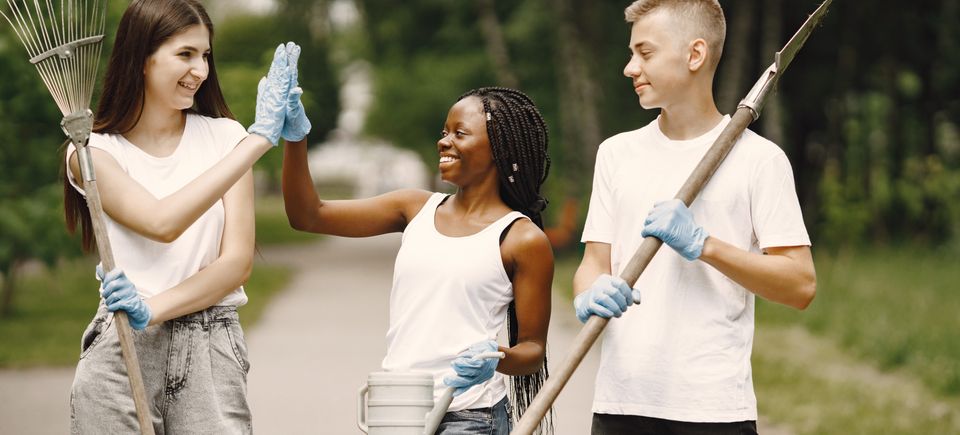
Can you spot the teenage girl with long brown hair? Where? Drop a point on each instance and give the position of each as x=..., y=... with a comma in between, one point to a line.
x=173, y=169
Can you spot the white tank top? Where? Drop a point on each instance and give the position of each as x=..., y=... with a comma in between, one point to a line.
x=448, y=293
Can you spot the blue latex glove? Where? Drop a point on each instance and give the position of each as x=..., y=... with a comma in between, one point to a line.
x=120, y=294
x=672, y=222
x=296, y=125
x=608, y=296
x=471, y=371
x=272, y=98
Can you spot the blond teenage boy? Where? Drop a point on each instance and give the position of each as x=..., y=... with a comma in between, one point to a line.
x=680, y=362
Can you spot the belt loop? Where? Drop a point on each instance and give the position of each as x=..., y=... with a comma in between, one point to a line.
x=206, y=319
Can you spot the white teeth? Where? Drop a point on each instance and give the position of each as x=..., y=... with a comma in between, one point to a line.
x=191, y=87
x=446, y=159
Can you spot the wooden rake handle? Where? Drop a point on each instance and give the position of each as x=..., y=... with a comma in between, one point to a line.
x=120, y=317
x=638, y=263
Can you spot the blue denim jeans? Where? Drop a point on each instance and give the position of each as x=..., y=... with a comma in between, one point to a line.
x=480, y=421
x=194, y=371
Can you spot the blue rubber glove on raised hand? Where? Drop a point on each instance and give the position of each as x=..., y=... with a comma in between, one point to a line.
x=272, y=93
x=120, y=294
x=672, y=222
x=608, y=296
x=470, y=370
x=296, y=125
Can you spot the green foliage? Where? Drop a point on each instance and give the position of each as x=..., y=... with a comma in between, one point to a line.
x=414, y=99
x=421, y=69
x=29, y=128
x=244, y=54
x=31, y=217
x=867, y=122
x=33, y=229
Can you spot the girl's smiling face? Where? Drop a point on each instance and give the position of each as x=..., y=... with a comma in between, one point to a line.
x=464, y=148
x=175, y=72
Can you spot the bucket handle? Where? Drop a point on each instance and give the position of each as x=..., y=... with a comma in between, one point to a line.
x=362, y=409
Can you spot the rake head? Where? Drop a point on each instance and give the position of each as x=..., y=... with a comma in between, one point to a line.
x=63, y=42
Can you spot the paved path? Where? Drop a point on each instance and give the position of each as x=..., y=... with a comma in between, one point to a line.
x=35, y=401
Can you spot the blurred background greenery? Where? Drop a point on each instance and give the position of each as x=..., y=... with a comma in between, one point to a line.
x=869, y=114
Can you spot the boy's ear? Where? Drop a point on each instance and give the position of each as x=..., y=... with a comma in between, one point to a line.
x=697, y=51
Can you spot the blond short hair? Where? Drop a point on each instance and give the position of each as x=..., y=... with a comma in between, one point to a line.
x=699, y=18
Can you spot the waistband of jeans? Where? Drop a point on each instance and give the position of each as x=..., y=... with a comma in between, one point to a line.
x=214, y=313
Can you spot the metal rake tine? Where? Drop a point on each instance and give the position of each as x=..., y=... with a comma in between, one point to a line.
x=43, y=27
x=19, y=28
x=29, y=41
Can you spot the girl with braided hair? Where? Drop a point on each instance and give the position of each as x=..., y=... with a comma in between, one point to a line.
x=467, y=262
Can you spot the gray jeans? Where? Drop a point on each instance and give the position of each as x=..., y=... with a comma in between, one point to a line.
x=194, y=369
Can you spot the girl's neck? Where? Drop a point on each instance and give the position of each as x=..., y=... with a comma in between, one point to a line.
x=479, y=200
x=158, y=131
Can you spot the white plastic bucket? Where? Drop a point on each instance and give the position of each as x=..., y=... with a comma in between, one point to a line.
x=395, y=403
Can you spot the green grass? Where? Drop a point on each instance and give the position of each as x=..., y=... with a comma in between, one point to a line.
x=53, y=307
x=813, y=386
x=264, y=283
x=899, y=308
x=272, y=225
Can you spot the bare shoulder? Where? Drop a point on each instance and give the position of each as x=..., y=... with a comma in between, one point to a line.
x=526, y=241
x=408, y=200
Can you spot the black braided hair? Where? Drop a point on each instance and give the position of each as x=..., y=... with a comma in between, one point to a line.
x=518, y=141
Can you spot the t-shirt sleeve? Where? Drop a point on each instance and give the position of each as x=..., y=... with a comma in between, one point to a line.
x=98, y=141
x=230, y=133
x=775, y=208
x=599, y=224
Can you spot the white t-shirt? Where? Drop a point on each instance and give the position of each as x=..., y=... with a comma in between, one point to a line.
x=154, y=266
x=684, y=353
x=448, y=293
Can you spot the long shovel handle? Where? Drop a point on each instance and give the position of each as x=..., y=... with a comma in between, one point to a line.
x=644, y=254
x=120, y=317
x=446, y=398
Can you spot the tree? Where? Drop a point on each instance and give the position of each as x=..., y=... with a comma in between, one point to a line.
x=31, y=223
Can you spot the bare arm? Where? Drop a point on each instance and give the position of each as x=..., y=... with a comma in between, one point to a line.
x=229, y=271
x=164, y=220
x=531, y=256
x=784, y=275
x=381, y=214
x=596, y=261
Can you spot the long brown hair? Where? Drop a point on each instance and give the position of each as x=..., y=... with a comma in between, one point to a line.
x=146, y=24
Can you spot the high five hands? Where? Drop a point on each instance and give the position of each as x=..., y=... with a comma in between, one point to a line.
x=279, y=111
